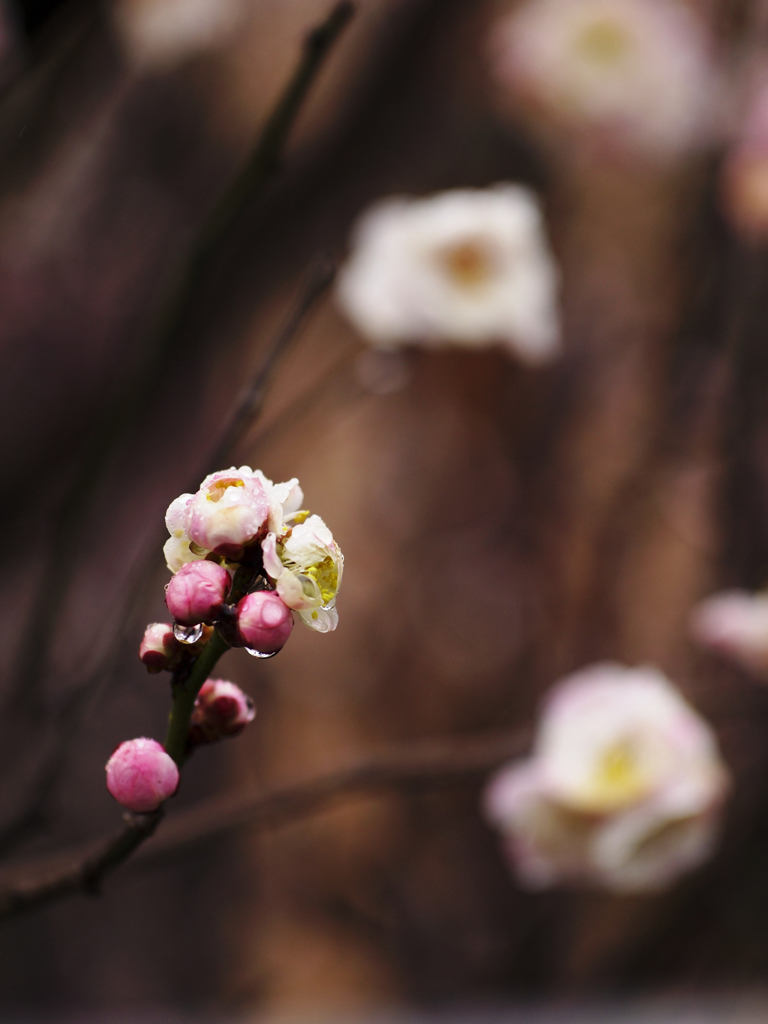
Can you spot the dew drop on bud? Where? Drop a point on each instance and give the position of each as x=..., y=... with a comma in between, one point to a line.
x=187, y=634
x=260, y=654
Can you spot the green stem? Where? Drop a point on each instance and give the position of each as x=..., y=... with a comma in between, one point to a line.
x=184, y=696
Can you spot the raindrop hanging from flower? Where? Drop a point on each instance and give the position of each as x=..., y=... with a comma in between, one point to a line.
x=187, y=634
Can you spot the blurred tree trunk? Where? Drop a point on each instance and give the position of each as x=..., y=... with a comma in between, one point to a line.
x=502, y=526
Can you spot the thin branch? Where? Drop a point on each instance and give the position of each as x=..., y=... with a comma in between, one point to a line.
x=416, y=765
x=129, y=403
x=85, y=874
x=319, y=278
x=317, y=281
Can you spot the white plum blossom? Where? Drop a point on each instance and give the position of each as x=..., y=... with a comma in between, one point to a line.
x=734, y=623
x=306, y=564
x=158, y=34
x=623, y=790
x=470, y=267
x=231, y=509
x=236, y=509
x=638, y=76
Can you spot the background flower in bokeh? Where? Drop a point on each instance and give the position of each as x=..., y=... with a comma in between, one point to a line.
x=735, y=624
x=469, y=266
x=160, y=33
x=634, y=76
x=745, y=168
x=623, y=789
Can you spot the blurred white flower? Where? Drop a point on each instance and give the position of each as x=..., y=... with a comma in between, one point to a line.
x=623, y=789
x=470, y=267
x=160, y=33
x=734, y=623
x=638, y=75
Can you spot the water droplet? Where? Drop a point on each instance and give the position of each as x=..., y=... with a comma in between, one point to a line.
x=259, y=654
x=187, y=634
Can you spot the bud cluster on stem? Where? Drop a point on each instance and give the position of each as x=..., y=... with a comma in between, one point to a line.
x=244, y=558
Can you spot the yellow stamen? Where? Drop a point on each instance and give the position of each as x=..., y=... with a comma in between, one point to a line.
x=216, y=491
x=468, y=263
x=326, y=575
x=604, y=42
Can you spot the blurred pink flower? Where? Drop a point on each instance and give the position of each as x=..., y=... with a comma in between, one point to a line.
x=734, y=623
x=623, y=789
x=264, y=621
x=141, y=776
x=637, y=76
x=159, y=650
x=197, y=592
x=744, y=183
x=470, y=267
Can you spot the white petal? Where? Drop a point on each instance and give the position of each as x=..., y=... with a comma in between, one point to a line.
x=322, y=620
x=272, y=562
x=177, y=516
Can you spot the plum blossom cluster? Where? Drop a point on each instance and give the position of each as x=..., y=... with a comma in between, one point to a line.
x=469, y=267
x=632, y=77
x=624, y=788
x=245, y=557
x=734, y=623
x=237, y=517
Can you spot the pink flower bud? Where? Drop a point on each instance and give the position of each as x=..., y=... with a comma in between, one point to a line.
x=159, y=649
x=141, y=776
x=264, y=621
x=197, y=592
x=221, y=709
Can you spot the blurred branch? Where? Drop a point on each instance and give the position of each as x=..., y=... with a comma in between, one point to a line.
x=86, y=874
x=128, y=404
x=415, y=765
x=318, y=280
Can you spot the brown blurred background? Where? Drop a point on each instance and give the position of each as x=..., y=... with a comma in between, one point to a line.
x=501, y=525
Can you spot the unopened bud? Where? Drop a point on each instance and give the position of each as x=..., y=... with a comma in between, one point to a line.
x=221, y=709
x=141, y=776
x=197, y=592
x=159, y=650
x=264, y=621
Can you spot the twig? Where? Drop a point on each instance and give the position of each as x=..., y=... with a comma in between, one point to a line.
x=318, y=279
x=420, y=764
x=126, y=406
x=84, y=875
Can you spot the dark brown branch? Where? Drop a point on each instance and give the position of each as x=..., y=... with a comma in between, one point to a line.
x=418, y=765
x=318, y=279
x=134, y=391
x=83, y=872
